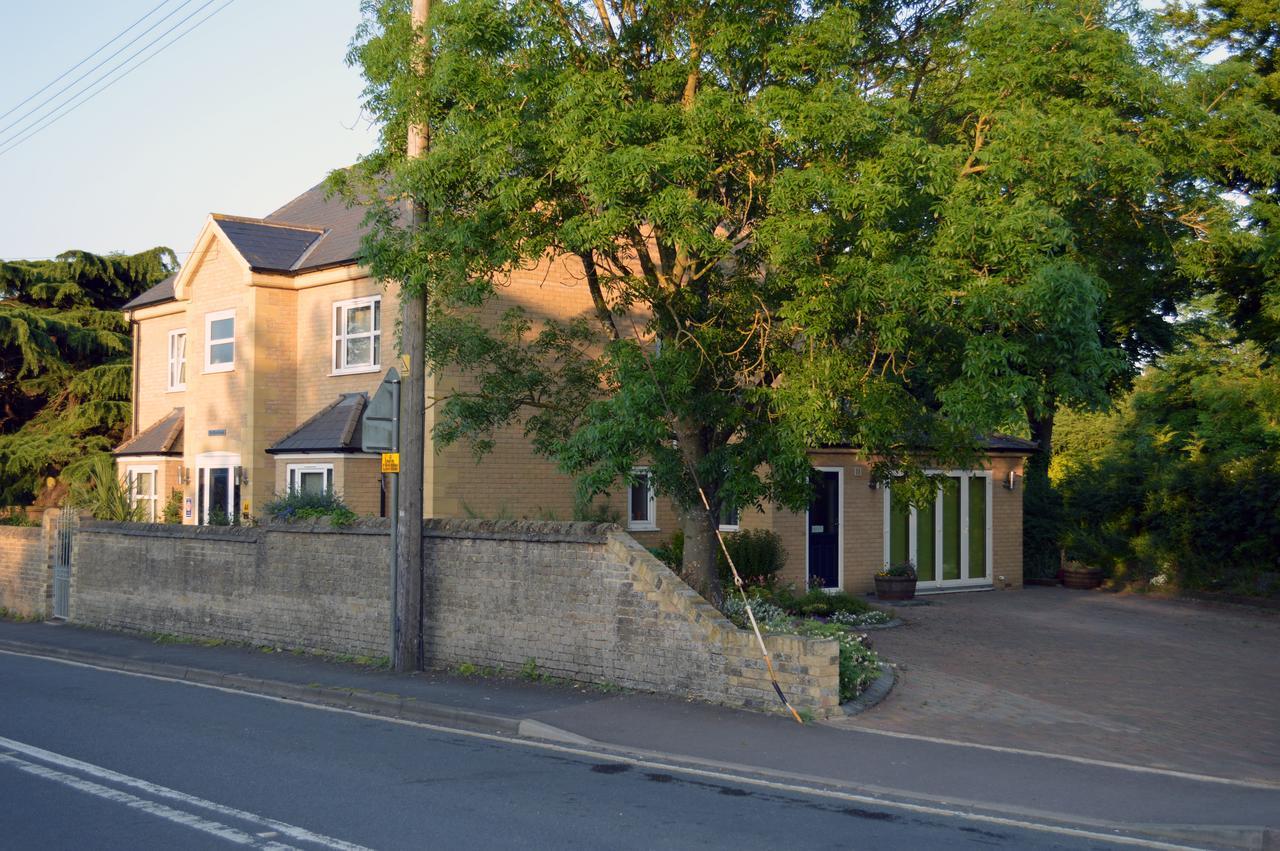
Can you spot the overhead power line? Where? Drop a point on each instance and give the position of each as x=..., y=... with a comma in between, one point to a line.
x=110, y=42
x=117, y=52
x=71, y=105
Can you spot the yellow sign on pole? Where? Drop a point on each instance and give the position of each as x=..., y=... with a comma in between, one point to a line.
x=391, y=462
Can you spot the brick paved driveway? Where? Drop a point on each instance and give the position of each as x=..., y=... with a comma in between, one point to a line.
x=1171, y=684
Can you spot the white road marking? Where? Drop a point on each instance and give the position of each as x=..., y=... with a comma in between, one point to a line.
x=195, y=822
x=1101, y=833
x=1083, y=760
x=275, y=827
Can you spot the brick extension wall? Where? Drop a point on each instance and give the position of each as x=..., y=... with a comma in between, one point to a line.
x=26, y=567
x=23, y=567
x=584, y=601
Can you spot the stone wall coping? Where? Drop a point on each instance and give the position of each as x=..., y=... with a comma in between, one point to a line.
x=240, y=534
x=533, y=531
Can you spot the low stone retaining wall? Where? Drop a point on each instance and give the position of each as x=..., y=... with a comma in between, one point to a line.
x=586, y=602
x=582, y=601
x=304, y=587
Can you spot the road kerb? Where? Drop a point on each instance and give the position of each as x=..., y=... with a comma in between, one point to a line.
x=376, y=703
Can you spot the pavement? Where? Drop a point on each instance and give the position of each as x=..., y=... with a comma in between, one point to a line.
x=1102, y=795
x=1184, y=685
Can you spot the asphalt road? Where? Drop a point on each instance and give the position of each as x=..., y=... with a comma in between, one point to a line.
x=108, y=760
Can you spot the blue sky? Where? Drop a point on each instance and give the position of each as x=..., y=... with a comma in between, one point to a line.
x=248, y=110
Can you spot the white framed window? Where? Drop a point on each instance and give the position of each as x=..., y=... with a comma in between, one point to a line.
x=142, y=490
x=177, y=360
x=642, y=503
x=357, y=335
x=729, y=519
x=220, y=341
x=310, y=478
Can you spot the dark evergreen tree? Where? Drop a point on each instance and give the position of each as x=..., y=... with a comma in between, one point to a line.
x=65, y=362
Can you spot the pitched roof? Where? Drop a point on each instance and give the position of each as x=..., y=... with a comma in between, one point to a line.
x=996, y=442
x=162, y=291
x=336, y=428
x=268, y=246
x=163, y=437
x=343, y=226
x=312, y=231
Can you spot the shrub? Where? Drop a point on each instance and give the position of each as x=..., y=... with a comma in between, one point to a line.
x=17, y=517
x=770, y=617
x=819, y=603
x=173, y=508
x=105, y=493
x=309, y=506
x=758, y=555
x=859, y=664
x=671, y=553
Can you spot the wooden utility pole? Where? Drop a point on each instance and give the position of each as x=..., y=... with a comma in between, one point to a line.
x=408, y=651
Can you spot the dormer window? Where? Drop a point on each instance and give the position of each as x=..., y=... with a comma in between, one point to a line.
x=220, y=341
x=357, y=335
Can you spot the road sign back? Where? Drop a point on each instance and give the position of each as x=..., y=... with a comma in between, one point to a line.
x=381, y=422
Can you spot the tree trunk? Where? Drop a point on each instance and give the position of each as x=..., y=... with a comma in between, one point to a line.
x=701, y=546
x=701, y=555
x=1042, y=505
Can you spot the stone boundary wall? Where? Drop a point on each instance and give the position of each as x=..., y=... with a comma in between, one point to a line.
x=586, y=602
x=299, y=587
x=582, y=600
x=26, y=571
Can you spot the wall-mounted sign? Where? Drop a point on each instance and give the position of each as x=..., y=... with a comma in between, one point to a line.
x=217, y=432
x=390, y=462
x=187, y=507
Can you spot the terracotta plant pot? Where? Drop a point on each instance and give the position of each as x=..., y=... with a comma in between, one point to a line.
x=895, y=587
x=1082, y=578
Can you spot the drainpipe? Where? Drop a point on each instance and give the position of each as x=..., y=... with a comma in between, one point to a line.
x=135, y=333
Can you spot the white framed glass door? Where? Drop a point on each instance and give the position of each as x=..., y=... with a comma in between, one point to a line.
x=949, y=540
x=218, y=486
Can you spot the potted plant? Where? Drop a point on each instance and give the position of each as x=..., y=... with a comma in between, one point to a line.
x=896, y=582
x=1082, y=576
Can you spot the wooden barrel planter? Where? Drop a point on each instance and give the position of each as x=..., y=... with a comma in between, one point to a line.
x=896, y=587
x=1081, y=577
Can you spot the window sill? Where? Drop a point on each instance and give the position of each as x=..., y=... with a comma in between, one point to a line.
x=730, y=528
x=642, y=527
x=181, y=389
x=219, y=368
x=362, y=370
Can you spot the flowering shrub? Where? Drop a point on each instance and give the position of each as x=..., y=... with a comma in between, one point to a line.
x=859, y=664
x=871, y=618
x=309, y=506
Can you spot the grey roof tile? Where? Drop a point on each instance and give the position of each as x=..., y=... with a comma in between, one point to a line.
x=344, y=226
x=269, y=246
x=996, y=442
x=161, y=292
x=163, y=437
x=336, y=428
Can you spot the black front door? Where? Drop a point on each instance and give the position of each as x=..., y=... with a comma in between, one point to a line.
x=824, y=530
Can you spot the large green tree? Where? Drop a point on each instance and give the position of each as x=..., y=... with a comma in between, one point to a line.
x=1244, y=37
x=891, y=225
x=1181, y=478
x=65, y=363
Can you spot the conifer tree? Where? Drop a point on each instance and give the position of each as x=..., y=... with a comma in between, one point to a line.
x=65, y=362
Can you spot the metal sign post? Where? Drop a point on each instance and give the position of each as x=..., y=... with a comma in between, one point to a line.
x=381, y=434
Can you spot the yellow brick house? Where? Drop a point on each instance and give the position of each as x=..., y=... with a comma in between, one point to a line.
x=254, y=362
